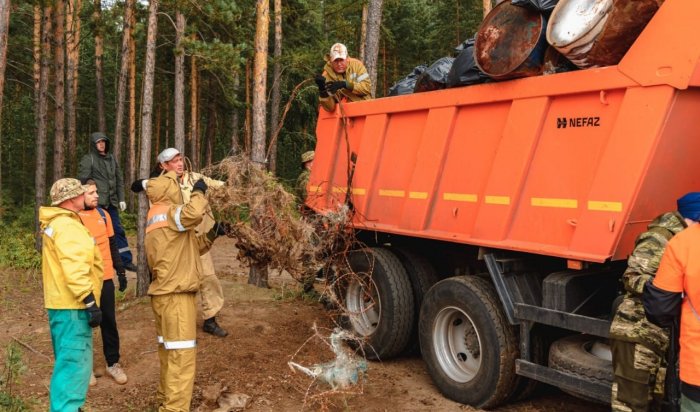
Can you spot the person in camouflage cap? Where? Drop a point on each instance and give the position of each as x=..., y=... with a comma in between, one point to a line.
x=638, y=346
x=307, y=162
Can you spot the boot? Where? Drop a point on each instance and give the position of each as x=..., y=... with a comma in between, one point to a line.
x=210, y=326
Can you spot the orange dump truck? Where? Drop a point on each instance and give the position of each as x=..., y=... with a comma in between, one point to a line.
x=498, y=217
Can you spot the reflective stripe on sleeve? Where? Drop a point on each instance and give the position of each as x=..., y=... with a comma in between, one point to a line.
x=180, y=344
x=362, y=77
x=177, y=219
x=162, y=217
x=124, y=249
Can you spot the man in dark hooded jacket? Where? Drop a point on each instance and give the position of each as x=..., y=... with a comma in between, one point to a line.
x=101, y=166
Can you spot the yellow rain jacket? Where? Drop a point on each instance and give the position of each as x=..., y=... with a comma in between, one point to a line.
x=71, y=263
x=173, y=250
x=355, y=76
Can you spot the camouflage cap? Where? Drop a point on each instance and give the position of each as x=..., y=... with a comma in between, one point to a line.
x=307, y=156
x=64, y=189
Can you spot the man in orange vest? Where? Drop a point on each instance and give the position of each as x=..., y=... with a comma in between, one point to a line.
x=674, y=292
x=172, y=251
x=343, y=78
x=99, y=224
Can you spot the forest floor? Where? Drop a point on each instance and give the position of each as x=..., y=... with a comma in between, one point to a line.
x=267, y=328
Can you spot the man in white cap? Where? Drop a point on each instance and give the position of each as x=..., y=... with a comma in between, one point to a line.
x=72, y=270
x=343, y=78
x=211, y=292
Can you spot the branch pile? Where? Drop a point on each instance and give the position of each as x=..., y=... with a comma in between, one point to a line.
x=264, y=219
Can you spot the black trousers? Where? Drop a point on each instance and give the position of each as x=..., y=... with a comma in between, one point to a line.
x=108, y=327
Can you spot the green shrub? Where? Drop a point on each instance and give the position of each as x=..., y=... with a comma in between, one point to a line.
x=17, y=231
x=14, y=367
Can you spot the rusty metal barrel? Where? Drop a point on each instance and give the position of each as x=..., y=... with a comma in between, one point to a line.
x=511, y=42
x=594, y=33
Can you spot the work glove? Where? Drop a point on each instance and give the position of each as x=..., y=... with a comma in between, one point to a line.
x=219, y=229
x=201, y=186
x=139, y=185
x=321, y=83
x=335, y=86
x=93, y=311
x=122, y=206
x=122, y=281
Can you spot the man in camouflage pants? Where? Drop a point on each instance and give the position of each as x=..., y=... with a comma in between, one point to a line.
x=638, y=346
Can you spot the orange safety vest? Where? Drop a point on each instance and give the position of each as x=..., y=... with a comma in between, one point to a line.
x=157, y=217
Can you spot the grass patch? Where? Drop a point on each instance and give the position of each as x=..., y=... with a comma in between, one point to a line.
x=17, y=248
x=13, y=369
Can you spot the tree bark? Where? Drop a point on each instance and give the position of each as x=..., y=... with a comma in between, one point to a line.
x=374, y=22
x=123, y=72
x=276, y=86
x=487, y=7
x=211, y=126
x=4, y=26
x=99, y=79
x=131, y=141
x=248, y=131
x=146, y=135
x=42, y=106
x=59, y=91
x=363, y=33
x=235, y=118
x=258, y=271
x=72, y=62
x=179, y=118
x=194, y=114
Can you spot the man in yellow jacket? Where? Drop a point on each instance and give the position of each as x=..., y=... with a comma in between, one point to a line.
x=172, y=250
x=210, y=291
x=343, y=78
x=72, y=271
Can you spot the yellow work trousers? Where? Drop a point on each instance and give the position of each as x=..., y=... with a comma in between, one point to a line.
x=210, y=291
x=176, y=316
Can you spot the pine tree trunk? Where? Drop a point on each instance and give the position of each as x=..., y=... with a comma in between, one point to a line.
x=258, y=271
x=211, y=126
x=235, y=118
x=363, y=33
x=131, y=141
x=487, y=7
x=59, y=91
x=146, y=136
x=123, y=72
x=99, y=78
x=72, y=62
x=4, y=25
x=194, y=114
x=374, y=22
x=276, y=86
x=42, y=108
x=248, y=105
x=36, y=41
x=179, y=98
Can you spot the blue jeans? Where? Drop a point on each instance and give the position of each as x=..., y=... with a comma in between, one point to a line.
x=71, y=338
x=119, y=235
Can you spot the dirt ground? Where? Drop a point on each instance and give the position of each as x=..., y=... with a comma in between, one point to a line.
x=267, y=328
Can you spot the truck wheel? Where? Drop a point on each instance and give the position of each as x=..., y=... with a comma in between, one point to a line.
x=583, y=356
x=467, y=344
x=377, y=302
x=422, y=275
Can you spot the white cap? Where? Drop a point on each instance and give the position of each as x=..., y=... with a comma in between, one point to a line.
x=167, y=155
x=339, y=51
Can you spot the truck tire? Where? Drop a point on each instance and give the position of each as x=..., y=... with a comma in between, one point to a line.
x=467, y=343
x=577, y=355
x=422, y=275
x=377, y=302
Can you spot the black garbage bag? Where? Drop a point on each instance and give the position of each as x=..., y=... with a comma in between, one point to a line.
x=464, y=70
x=406, y=85
x=435, y=77
x=544, y=6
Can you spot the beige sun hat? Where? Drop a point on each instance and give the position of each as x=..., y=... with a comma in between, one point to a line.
x=64, y=189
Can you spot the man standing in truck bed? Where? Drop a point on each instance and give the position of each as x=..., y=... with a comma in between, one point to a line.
x=343, y=78
x=638, y=346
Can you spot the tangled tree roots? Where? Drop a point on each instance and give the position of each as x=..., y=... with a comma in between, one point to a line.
x=266, y=222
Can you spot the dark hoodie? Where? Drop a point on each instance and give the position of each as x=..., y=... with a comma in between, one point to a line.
x=104, y=170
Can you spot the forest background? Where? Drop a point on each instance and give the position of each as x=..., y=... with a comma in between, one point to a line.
x=72, y=67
